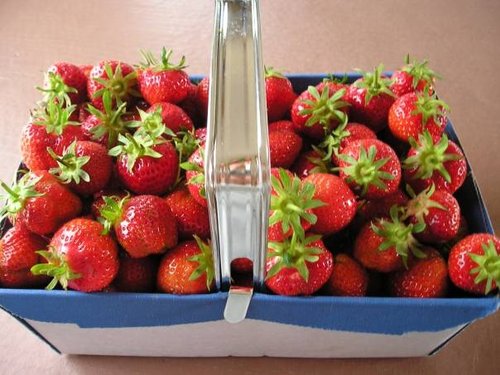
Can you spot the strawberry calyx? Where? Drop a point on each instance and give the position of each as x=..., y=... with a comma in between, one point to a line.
x=150, y=124
x=150, y=61
x=269, y=71
x=56, y=267
x=55, y=89
x=117, y=85
x=419, y=71
x=294, y=252
x=111, y=211
x=331, y=78
x=199, y=177
x=420, y=204
x=429, y=157
x=54, y=116
x=135, y=147
x=374, y=83
x=205, y=262
x=396, y=234
x=430, y=107
x=292, y=203
x=185, y=142
x=333, y=140
x=324, y=108
x=488, y=266
x=366, y=171
x=321, y=163
x=17, y=194
x=69, y=165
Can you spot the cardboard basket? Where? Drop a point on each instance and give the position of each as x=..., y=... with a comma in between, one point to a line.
x=319, y=326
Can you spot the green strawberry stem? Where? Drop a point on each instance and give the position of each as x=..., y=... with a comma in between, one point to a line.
x=488, y=266
x=419, y=71
x=333, y=140
x=117, y=85
x=374, y=83
x=134, y=147
x=111, y=212
x=69, y=165
x=429, y=106
x=54, y=116
x=205, y=262
x=56, y=267
x=56, y=90
x=150, y=124
x=150, y=61
x=269, y=71
x=420, y=204
x=17, y=194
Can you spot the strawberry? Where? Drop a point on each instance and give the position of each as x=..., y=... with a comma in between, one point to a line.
x=173, y=117
x=143, y=225
x=98, y=200
x=202, y=96
x=298, y=266
x=40, y=202
x=440, y=212
x=190, y=106
x=348, y=278
x=83, y=112
x=136, y=274
x=370, y=98
x=474, y=263
x=370, y=167
x=201, y=135
x=279, y=94
x=425, y=277
x=413, y=113
x=80, y=257
x=378, y=208
x=86, y=68
x=195, y=176
x=242, y=265
x=187, y=269
x=414, y=76
x=66, y=82
x=49, y=126
x=192, y=217
x=439, y=162
x=281, y=125
x=161, y=81
x=384, y=245
x=284, y=148
x=310, y=162
x=115, y=77
x=340, y=203
x=18, y=254
x=144, y=165
x=84, y=166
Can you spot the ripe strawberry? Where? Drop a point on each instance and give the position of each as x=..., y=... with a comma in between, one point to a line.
x=340, y=203
x=98, y=200
x=195, y=176
x=173, y=117
x=348, y=278
x=50, y=126
x=40, y=202
x=192, y=217
x=279, y=94
x=202, y=96
x=298, y=266
x=136, y=275
x=439, y=162
x=80, y=257
x=474, y=263
x=370, y=167
x=310, y=162
x=284, y=148
x=384, y=245
x=86, y=68
x=83, y=112
x=161, y=81
x=201, y=135
x=242, y=265
x=440, y=212
x=84, y=166
x=66, y=82
x=146, y=166
x=281, y=125
x=143, y=224
x=414, y=76
x=379, y=208
x=18, y=254
x=425, y=277
x=187, y=269
x=370, y=98
x=115, y=77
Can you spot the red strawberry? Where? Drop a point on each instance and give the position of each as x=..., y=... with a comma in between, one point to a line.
x=340, y=203
x=85, y=166
x=86, y=68
x=161, y=81
x=40, y=202
x=146, y=166
x=202, y=96
x=348, y=278
x=370, y=99
x=425, y=277
x=370, y=167
x=414, y=76
x=298, y=267
x=115, y=77
x=18, y=254
x=173, y=117
x=190, y=106
x=281, y=125
x=279, y=94
x=310, y=162
x=201, y=135
x=439, y=162
x=80, y=257
x=136, y=275
x=83, y=112
x=98, y=202
x=192, y=217
x=242, y=265
x=143, y=225
x=66, y=82
x=440, y=212
x=195, y=176
x=284, y=148
x=187, y=269
x=474, y=263
x=379, y=208
x=384, y=245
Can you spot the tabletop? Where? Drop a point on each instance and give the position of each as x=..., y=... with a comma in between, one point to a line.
x=460, y=38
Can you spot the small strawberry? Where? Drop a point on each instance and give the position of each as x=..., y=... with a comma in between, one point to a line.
x=242, y=265
x=143, y=224
x=348, y=278
x=298, y=266
x=370, y=167
x=414, y=76
x=187, y=269
x=279, y=94
x=84, y=166
x=474, y=263
x=66, y=82
x=18, y=248
x=136, y=274
x=339, y=203
x=439, y=162
x=202, y=96
x=173, y=117
x=195, y=176
x=310, y=162
x=370, y=98
x=80, y=257
x=284, y=147
x=40, y=202
x=425, y=277
x=162, y=81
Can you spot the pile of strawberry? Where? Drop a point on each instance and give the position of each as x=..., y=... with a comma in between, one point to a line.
x=362, y=202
